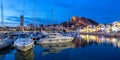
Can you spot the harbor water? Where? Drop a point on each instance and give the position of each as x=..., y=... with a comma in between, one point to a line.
x=91, y=47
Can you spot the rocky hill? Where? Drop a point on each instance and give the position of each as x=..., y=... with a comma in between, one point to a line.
x=80, y=21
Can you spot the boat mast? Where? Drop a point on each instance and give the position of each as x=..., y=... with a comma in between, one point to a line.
x=34, y=14
x=52, y=15
x=58, y=21
x=23, y=7
x=46, y=20
x=22, y=27
x=58, y=18
x=2, y=17
x=67, y=18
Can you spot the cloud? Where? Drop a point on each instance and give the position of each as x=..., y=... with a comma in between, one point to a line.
x=29, y=20
x=98, y=10
x=16, y=19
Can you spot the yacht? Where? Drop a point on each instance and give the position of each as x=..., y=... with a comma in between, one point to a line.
x=4, y=42
x=55, y=38
x=23, y=42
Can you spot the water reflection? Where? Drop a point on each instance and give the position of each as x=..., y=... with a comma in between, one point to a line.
x=7, y=54
x=54, y=51
x=79, y=42
x=55, y=48
x=88, y=47
x=3, y=52
x=27, y=55
x=102, y=39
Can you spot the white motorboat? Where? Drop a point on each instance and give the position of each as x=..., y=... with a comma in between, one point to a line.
x=24, y=42
x=55, y=38
x=4, y=42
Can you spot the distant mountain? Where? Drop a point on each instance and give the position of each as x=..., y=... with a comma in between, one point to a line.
x=80, y=21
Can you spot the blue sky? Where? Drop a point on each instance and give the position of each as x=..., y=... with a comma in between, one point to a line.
x=102, y=11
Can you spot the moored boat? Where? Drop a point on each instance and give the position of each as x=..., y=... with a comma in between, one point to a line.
x=24, y=42
x=55, y=38
x=4, y=42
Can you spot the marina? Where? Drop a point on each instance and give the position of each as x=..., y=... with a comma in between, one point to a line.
x=87, y=47
x=59, y=30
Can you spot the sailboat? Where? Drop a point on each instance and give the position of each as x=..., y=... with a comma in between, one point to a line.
x=23, y=42
x=4, y=41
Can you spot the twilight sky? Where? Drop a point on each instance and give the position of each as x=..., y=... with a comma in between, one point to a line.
x=56, y=11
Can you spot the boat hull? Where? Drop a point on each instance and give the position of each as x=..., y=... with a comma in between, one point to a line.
x=24, y=48
x=55, y=41
x=4, y=44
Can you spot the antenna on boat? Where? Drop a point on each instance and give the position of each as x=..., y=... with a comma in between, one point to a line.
x=2, y=17
x=52, y=14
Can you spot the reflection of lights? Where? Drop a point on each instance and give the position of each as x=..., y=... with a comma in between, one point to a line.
x=93, y=37
x=102, y=39
x=118, y=43
x=114, y=40
x=86, y=37
x=108, y=40
x=83, y=36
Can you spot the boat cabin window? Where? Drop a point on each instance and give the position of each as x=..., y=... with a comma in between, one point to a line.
x=3, y=37
x=51, y=37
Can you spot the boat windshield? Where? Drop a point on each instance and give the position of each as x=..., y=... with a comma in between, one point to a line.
x=23, y=36
x=3, y=37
